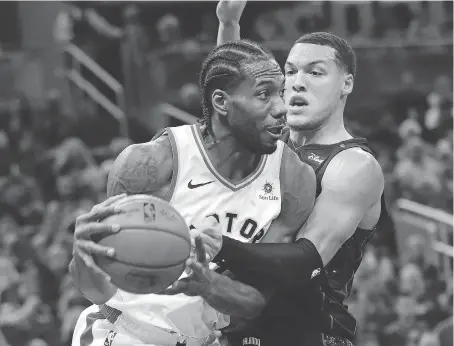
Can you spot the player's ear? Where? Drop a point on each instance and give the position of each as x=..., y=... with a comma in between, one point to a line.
x=347, y=86
x=219, y=100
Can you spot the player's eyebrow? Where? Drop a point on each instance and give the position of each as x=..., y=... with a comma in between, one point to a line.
x=264, y=82
x=315, y=62
x=270, y=82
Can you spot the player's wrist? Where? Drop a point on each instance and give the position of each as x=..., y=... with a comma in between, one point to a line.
x=212, y=287
x=230, y=23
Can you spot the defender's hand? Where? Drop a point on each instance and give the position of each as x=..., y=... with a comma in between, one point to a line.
x=84, y=247
x=199, y=282
x=230, y=11
x=210, y=233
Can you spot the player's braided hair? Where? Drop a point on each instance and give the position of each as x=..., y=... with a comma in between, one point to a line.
x=222, y=69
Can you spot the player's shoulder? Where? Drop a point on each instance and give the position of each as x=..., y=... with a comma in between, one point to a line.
x=354, y=167
x=142, y=167
x=297, y=177
x=292, y=167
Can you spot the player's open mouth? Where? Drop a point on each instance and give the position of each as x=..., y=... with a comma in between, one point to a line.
x=298, y=101
x=275, y=131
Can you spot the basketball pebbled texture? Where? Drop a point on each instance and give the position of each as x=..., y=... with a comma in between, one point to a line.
x=151, y=247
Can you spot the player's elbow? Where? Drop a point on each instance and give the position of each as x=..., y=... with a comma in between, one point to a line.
x=255, y=307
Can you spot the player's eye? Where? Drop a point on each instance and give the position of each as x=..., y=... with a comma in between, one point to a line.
x=264, y=95
x=289, y=72
x=315, y=73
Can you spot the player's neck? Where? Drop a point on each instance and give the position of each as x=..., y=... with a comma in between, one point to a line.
x=228, y=156
x=331, y=132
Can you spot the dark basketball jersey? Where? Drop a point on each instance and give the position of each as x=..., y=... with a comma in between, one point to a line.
x=342, y=267
x=301, y=316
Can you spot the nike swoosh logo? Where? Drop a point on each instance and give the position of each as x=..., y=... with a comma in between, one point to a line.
x=194, y=186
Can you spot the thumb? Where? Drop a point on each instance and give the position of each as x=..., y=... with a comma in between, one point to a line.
x=212, y=220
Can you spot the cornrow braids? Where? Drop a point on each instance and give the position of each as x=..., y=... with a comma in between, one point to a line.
x=222, y=69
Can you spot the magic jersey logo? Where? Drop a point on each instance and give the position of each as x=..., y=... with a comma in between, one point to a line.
x=315, y=158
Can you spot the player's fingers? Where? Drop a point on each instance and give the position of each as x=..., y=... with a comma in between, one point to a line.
x=92, y=248
x=200, y=249
x=212, y=220
x=89, y=262
x=85, y=231
x=177, y=287
x=193, y=233
x=99, y=213
x=196, y=267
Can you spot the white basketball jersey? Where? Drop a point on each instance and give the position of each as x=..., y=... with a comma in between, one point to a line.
x=245, y=210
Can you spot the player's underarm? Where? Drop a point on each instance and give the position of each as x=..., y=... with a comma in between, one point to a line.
x=141, y=168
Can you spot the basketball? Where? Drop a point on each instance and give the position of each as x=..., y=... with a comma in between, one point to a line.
x=151, y=247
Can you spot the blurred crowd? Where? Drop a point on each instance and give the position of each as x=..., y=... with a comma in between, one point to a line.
x=53, y=170
x=54, y=162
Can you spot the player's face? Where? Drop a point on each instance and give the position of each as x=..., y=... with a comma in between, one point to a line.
x=313, y=85
x=256, y=111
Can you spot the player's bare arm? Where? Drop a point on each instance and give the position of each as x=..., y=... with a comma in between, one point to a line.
x=229, y=14
x=343, y=204
x=356, y=198
x=140, y=168
x=237, y=298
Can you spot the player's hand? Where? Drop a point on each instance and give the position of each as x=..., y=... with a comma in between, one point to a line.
x=199, y=282
x=230, y=11
x=84, y=247
x=210, y=232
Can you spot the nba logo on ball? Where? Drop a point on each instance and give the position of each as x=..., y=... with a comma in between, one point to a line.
x=149, y=212
x=109, y=338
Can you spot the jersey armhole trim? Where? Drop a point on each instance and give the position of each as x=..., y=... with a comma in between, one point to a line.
x=281, y=166
x=173, y=145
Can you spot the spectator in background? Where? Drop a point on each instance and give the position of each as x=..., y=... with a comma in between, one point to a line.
x=410, y=127
x=405, y=97
x=415, y=175
x=267, y=28
x=438, y=117
x=422, y=29
x=169, y=32
x=208, y=33
x=429, y=339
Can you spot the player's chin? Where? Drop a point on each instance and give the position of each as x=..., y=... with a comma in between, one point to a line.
x=299, y=121
x=268, y=147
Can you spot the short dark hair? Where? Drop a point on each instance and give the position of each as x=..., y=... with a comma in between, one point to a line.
x=344, y=52
x=223, y=69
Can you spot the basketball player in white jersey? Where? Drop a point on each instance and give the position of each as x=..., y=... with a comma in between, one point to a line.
x=232, y=167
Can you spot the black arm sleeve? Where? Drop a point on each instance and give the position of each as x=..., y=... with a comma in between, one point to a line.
x=272, y=264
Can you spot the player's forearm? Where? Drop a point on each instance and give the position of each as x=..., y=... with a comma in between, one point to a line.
x=234, y=298
x=229, y=31
x=280, y=264
x=95, y=288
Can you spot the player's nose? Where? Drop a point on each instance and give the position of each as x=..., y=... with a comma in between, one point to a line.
x=279, y=109
x=299, y=83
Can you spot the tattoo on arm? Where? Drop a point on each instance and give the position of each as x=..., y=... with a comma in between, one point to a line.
x=141, y=168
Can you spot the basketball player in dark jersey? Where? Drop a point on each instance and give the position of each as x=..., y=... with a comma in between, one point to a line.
x=313, y=276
